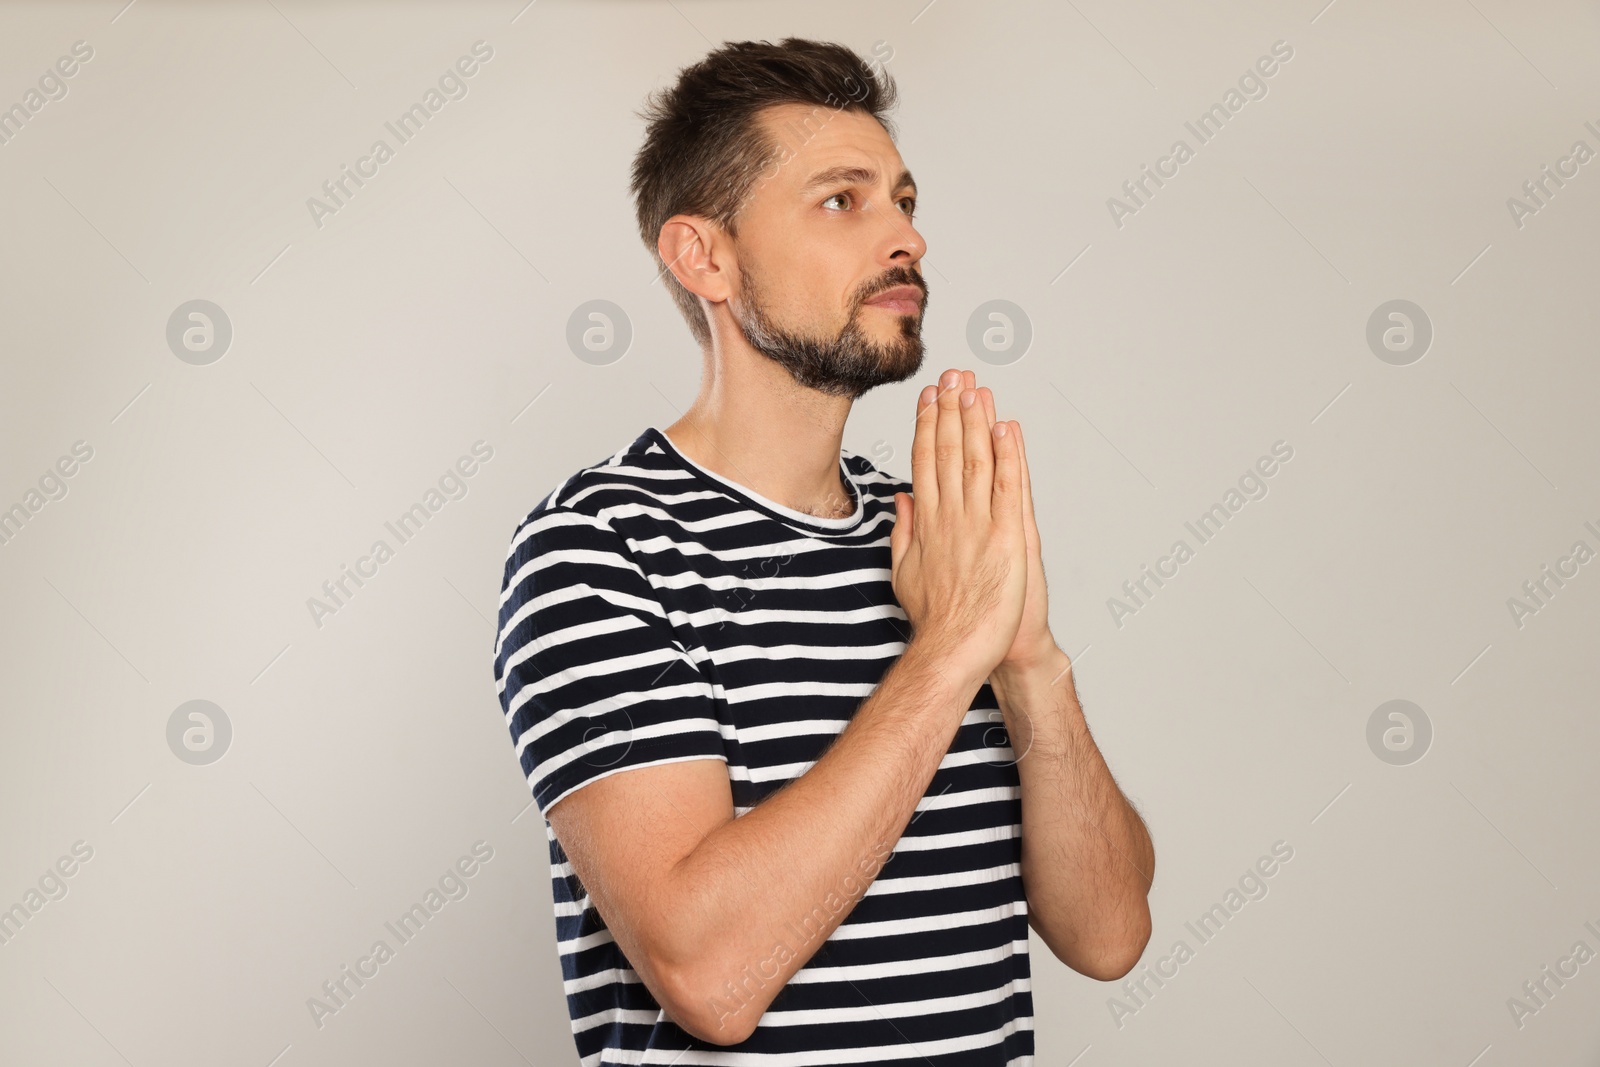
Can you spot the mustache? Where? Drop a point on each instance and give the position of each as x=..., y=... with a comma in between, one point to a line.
x=894, y=281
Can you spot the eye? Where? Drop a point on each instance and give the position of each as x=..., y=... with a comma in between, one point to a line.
x=911, y=204
x=836, y=196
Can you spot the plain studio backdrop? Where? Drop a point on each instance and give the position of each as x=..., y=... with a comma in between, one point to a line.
x=216, y=396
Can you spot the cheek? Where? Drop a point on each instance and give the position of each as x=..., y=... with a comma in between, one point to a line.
x=807, y=279
x=805, y=293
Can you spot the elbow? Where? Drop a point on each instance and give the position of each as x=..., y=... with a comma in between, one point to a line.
x=1109, y=959
x=689, y=975
x=1118, y=958
x=696, y=1005
x=1113, y=964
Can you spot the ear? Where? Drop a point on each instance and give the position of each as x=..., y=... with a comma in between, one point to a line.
x=694, y=251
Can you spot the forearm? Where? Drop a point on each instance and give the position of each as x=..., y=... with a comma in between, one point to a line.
x=762, y=892
x=1087, y=859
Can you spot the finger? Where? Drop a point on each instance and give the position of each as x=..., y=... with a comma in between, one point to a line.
x=947, y=441
x=924, y=476
x=977, y=446
x=1006, y=503
x=1030, y=527
x=984, y=393
x=900, y=536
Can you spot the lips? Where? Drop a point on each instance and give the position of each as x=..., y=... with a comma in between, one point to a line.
x=902, y=300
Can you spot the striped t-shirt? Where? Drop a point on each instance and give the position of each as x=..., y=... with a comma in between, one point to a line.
x=653, y=612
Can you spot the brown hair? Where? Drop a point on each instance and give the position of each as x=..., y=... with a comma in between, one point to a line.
x=704, y=148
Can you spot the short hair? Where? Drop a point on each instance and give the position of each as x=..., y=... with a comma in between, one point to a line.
x=704, y=147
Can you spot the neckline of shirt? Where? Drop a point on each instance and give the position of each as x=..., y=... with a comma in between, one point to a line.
x=753, y=499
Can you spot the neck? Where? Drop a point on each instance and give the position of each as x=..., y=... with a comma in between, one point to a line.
x=753, y=425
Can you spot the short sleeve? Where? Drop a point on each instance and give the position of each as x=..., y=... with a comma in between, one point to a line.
x=591, y=677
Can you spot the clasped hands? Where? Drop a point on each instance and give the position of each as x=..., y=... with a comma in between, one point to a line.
x=966, y=559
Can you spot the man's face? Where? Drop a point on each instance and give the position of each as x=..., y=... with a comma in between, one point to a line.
x=826, y=244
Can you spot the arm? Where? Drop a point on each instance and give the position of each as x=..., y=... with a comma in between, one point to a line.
x=1087, y=860
x=717, y=913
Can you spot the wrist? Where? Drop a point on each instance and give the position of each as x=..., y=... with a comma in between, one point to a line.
x=1043, y=665
x=943, y=658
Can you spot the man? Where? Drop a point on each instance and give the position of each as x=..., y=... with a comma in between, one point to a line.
x=758, y=686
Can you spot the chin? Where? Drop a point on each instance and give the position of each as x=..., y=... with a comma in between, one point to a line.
x=897, y=364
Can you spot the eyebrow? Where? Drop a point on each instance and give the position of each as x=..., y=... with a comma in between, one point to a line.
x=853, y=175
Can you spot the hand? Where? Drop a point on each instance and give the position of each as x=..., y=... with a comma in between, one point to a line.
x=958, y=549
x=1034, y=642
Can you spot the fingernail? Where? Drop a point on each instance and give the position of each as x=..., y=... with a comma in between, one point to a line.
x=967, y=398
x=999, y=429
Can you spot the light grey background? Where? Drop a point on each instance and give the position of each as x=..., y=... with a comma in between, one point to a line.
x=431, y=312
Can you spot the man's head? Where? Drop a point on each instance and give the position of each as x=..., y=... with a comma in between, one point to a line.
x=770, y=191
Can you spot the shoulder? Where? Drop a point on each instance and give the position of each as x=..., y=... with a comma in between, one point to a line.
x=584, y=505
x=569, y=554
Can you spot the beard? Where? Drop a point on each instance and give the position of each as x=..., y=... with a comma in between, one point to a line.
x=847, y=364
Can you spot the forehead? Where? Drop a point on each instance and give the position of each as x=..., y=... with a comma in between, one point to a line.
x=821, y=145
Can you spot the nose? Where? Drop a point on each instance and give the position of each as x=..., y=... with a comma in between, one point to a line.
x=900, y=243
x=904, y=246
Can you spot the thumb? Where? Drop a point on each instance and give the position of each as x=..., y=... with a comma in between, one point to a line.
x=900, y=536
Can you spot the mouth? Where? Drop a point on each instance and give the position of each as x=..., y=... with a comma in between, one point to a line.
x=901, y=300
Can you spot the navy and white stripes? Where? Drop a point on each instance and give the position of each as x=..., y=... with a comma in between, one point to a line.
x=653, y=612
